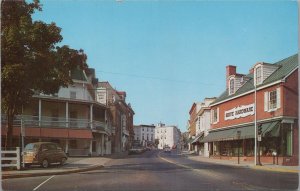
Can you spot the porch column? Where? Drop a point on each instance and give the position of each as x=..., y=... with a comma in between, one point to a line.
x=67, y=146
x=102, y=144
x=67, y=114
x=40, y=112
x=91, y=145
x=91, y=115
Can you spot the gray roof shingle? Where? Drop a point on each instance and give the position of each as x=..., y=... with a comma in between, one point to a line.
x=286, y=66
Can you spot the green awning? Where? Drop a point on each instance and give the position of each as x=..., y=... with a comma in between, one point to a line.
x=198, y=137
x=219, y=135
x=190, y=140
x=270, y=129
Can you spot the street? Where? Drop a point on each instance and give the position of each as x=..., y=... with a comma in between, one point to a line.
x=155, y=170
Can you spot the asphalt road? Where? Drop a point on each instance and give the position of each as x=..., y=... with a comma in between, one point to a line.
x=159, y=171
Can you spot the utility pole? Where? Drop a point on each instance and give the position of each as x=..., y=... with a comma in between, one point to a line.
x=255, y=125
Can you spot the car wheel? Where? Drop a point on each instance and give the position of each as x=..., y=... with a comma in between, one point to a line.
x=45, y=163
x=63, y=161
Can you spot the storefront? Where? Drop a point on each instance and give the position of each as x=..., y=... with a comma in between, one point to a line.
x=270, y=107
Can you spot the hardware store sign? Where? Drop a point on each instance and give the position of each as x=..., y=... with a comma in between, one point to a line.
x=240, y=111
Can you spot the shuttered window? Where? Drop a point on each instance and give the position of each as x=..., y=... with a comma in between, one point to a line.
x=272, y=100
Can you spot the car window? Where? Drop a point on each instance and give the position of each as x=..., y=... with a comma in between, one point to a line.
x=31, y=146
x=44, y=146
x=51, y=146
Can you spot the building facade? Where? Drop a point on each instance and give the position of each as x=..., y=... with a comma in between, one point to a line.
x=71, y=118
x=263, y=103
x=202, y=127
x=193, y=125
x=144, y=134
x=167, y=136
x=122, y=116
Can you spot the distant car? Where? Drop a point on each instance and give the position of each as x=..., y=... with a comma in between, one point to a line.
x=167, y=149
x=136, y=150
x=44, y=154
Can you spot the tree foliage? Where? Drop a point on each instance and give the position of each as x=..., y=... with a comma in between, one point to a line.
x=31, y=61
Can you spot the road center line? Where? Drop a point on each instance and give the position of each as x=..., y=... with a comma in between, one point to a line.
x=42, y=183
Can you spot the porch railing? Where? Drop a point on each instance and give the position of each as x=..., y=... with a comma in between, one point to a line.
x=48, y=122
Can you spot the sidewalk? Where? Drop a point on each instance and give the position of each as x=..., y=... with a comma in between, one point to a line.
x=246, y=164
x=73, y=165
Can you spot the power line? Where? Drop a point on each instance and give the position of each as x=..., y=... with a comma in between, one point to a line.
x=157, y=78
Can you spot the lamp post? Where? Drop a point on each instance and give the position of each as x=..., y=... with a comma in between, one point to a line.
x=255, y=125
x=238, y=135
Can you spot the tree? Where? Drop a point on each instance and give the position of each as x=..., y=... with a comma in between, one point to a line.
x=31, y=61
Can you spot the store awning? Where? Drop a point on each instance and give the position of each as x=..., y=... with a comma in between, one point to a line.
x=190, y=140
x=198, y=137
x=219, y=135
x=270, y=129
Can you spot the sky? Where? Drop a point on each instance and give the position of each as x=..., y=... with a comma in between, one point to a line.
x=168, y=54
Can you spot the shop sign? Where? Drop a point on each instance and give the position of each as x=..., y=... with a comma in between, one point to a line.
x=101, y=95
x=240, y=111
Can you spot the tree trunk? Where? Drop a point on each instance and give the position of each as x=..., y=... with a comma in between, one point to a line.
x=9, y=133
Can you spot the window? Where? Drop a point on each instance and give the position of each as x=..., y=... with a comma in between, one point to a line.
x=231, y=86
x=215, y=115
x=72, y=95
x=143, y=129
x=258, y=75
x=272, y=100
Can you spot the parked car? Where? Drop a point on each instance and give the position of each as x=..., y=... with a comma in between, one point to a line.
x=167, y=149
x=44, y=154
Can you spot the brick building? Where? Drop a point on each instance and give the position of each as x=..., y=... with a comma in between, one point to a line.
x=122, y=116
x=266, y=98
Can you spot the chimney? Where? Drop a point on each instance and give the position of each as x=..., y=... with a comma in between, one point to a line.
x=230, y=70
x=251, y=71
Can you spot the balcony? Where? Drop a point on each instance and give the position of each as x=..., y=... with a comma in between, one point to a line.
x=101, y=126
x=54, y=122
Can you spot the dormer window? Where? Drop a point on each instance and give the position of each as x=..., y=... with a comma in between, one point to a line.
x=231, y=86
x=258, y=75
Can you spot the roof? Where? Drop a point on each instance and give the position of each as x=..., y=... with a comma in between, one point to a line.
x=285, y=67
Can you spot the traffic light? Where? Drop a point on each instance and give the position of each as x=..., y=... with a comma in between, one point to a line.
x=259, y=132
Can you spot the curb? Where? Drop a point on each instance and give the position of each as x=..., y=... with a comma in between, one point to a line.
x=264, y=168
x=274, y=169
x=94, y=167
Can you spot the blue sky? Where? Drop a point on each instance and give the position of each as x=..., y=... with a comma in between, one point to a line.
x=168, y=54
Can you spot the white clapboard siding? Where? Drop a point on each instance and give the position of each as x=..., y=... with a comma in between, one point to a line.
x=268, y=70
